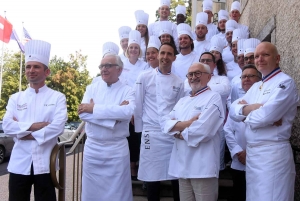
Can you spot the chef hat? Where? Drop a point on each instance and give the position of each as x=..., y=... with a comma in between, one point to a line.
x=37, y=50
x=240, y=46
x=201, y=18
x=134, y=37
x=235, y=6
x=184, y=28
x=154, y=42
x=141, y=17
x=217, y=44
x=239, y=34
x=110, y=47
x=231, y=25
x=165, y=3
x=124, y=32
x=165, y=27
x=223, y=15
x=180, y=9
x=207, y=5
x=250, y=45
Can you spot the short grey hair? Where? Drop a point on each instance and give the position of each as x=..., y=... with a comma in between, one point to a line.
x=206, y=67
x=117, y=59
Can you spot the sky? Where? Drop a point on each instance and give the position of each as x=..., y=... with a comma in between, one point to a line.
x=75, y=25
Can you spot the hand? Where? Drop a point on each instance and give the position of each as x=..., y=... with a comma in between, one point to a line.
x=125, y=102
x=195, y=118
x=242, y=157
x=278, y=123
x=249, y=108
x=86, y=107
x=27, y=137
x=37, y=126
x=242, y=102
x=15, y=119
x=178, y=136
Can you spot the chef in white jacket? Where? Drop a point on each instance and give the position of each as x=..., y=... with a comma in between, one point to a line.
x=195, y=122
x=107, y=108
x=236, y=140
x=157, y=92
x=268, y=110
x=35, y=118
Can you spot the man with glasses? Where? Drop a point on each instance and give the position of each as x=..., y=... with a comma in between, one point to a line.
x=107, y=108
x=195, y=122
x=268, y=110
x=236, y=141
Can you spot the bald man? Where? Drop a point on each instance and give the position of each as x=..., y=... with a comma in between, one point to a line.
x=268, y=110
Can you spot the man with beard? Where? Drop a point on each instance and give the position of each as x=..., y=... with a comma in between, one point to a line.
x=157, y=92
x=222, y=19
x=201, y=44
x=187, y=56
x=195, y=122
x=180, y=14
x=227, y=54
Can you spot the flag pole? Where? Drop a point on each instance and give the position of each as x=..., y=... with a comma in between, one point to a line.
x=1, y=71
x=20, y=80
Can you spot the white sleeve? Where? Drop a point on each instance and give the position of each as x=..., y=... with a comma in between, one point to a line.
x=232, y=144
x=222, y=88
x=139, y=102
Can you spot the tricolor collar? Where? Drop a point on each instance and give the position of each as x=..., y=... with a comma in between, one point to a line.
x=271, y=75
x=199, y=92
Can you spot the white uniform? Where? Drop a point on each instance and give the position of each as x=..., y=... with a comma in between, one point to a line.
x=236, y=90
x=143, y=48
x=131, y=72
x=106, y=166
x=198, y=155
x=123, y=57
x=227, y=55
x=156, y=95
x=29, y=107
x=212, y=30
x=200, y=47
x=222, y=36
x=233, y=70
x=270, y=169
x=182, y=64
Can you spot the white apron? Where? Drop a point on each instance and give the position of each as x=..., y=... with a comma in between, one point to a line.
x=155, y=153
x=274, y=163
x=111, y=174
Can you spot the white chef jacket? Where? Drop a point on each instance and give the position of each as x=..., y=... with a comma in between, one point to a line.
x=233, y=70
x=227, y=55
x=156, y=95
x=200, y=47
x=131, y=72
x=198, y=155
x=106, y=167
x=236, y=90
x=268, y=179
x=222, y=36
x=182, y=64
x=143, y=48
x=29, y=107
x=123, y=57
x=212, y=30
x=236, y=141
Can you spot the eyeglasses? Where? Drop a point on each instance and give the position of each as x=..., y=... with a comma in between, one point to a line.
x=197, y=74
x=249, y=58
x=248, y=76
x=107, y=66
x=240, y=57
x=205, y=60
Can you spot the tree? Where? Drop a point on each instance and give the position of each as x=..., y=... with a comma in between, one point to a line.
x=174, y=4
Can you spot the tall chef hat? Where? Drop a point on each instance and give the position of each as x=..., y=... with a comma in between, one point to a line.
x=250, y=45
x=235, y=6
x=240, y=46
x=134, y=37
x=223, y=15
x=201, y=18
x=239, y=34
x=110, y=47
x=217, y=44
x=165, y=3
x=180, y=9
x=184, y=28
x=141, y=17
x=154, y=42
x=230, y=25
x=37, y=50
x=207, y=5
x=124, y=32
x=165, y=27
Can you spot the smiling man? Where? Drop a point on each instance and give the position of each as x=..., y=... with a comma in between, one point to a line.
x=107, y=108
x=157, y=92
x=268, y=110
x=35, y=118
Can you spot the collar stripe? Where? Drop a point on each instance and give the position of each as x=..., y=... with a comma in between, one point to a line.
x=271, y=75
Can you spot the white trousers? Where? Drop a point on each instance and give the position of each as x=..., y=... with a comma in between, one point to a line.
x=202, y=189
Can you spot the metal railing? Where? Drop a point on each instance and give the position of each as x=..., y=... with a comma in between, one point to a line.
x=59, y=154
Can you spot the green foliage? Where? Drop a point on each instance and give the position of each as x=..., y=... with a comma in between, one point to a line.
x=174, y=4
x=69, y=77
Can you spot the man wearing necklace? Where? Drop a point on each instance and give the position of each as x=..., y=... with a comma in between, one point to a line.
x=157, y=92
x=195, y=122
x=268, y=109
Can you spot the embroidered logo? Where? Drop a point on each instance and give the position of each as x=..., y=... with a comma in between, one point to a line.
x=282, y=86
x=176, y=89
x=22, y=107
x=50, y=104
x=267, y=91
